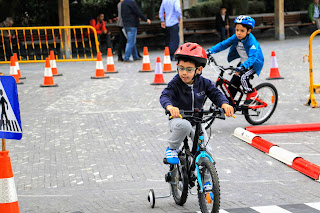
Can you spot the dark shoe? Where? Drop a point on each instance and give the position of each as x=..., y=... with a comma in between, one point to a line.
x=127, y=61
x=138, y=59
x=120, y=59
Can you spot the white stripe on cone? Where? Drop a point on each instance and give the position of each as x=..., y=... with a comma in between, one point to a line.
x=146, y=59
x=166, y=59
x=110, y=60
x=53, y=64
x=158, y=69
x=244, y=135
x=17, y=65
x=99, y=65
x=48, y=71
x=8, y=192
x=13, y=70
x=282, y=155
x=274, y=63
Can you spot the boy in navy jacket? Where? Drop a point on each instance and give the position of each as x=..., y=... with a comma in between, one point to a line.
x=244, y=46
x=187, y=91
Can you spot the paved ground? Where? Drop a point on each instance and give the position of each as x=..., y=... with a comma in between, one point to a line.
x=97, y=145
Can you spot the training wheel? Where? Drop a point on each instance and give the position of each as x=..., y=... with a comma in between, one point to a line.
x=151, y=198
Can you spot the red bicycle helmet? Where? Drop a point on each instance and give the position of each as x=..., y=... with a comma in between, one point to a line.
x=193, y=51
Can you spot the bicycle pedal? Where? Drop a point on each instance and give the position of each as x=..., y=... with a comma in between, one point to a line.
x=165, y=161
x=191, y=184
x=193, y=177
x=167, y=177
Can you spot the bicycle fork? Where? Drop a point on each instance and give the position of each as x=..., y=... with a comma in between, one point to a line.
x=203, y=154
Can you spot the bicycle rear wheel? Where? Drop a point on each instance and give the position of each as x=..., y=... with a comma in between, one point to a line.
x=207, y=204
x=179, y=183
x=268, y=94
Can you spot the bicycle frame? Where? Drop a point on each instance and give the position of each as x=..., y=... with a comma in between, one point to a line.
x=196, y=147
x=224, y=85
x=203, y=154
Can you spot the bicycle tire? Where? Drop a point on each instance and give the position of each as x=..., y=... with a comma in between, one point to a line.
x=180, y=189
x=206, y=207
x=269, y=94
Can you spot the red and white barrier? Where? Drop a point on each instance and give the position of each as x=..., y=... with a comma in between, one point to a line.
x=291, y=159
x=269, y=129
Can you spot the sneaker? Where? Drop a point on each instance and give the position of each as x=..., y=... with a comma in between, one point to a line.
x=172, y=156
x=251, y=97
x=208, y=190
x=138, y=59
x=120, y=59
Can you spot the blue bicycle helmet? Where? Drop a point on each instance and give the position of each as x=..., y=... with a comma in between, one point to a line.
x=246, y=20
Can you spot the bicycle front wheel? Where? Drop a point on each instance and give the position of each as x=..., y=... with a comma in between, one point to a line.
x=209, y=200
x=179, y=184
x=258, y=115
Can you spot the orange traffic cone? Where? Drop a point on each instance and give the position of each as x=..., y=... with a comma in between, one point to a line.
x=158, y=75
x=99, y=68
x=167, y=61
x=146, y=67
x=13, y=70
x=110, y=64
x=17, y=65
x=48, y=78
x=274, y=70
x=53, y=64
x=8, y=194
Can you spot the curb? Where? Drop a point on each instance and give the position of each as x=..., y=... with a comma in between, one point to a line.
x=289, y=158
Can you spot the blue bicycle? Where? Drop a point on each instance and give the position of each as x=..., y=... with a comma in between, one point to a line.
x=195, y=166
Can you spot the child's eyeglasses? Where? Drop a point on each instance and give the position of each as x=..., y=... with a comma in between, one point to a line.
x=188, y=69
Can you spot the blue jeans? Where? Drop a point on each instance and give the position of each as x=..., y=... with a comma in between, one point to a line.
x=173, y=32
x=223, y=32
x=131, y=43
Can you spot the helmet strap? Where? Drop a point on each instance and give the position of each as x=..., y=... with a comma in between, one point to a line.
x=195, y=74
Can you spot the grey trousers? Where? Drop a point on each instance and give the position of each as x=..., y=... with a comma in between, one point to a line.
x=180, y=128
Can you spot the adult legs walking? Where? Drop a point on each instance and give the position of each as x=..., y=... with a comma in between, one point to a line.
x=131, y=43
x=174, y=39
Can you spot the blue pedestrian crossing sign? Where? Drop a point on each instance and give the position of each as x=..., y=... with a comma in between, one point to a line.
x=10, y=122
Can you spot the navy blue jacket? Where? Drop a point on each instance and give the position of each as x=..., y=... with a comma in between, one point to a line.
x=130, y=13
x=180, y=95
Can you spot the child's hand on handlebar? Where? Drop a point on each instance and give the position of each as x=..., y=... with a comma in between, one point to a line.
x=174, y=111
x=209, y=56
x=228, y=110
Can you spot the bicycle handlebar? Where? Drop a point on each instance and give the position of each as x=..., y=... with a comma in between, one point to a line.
x=211, y=59
x=198, y=113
